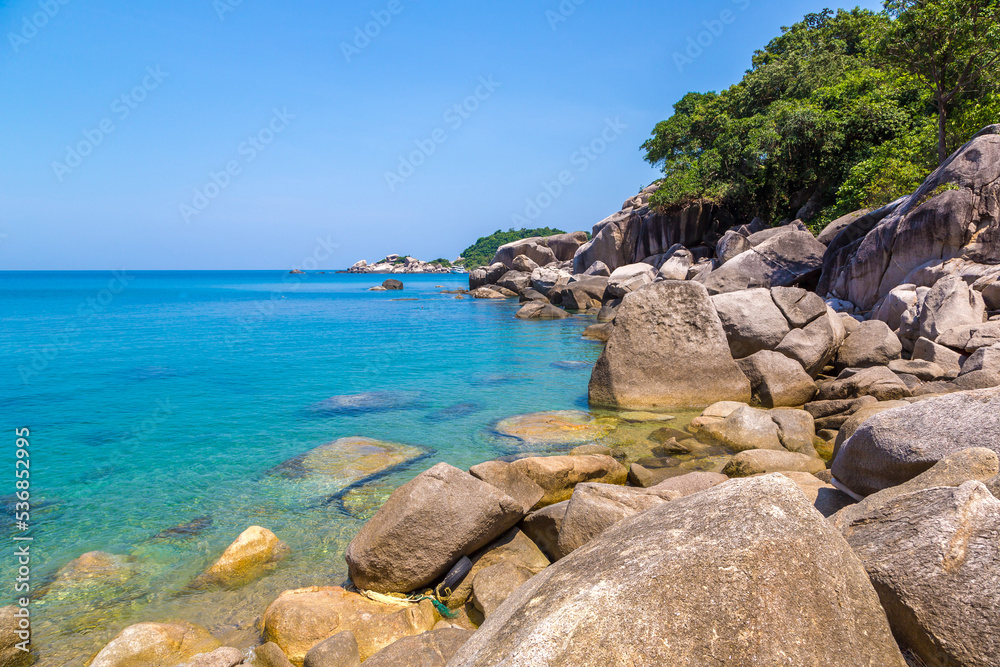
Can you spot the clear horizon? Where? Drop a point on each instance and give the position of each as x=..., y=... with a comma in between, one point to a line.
x=232, y=135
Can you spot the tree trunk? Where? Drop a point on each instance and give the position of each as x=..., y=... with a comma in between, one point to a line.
x=942, y=132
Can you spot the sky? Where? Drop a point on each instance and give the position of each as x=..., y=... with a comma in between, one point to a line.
x=247, y=134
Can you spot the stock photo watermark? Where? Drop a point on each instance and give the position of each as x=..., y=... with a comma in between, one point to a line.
x=370, y=31
x=22, y=541
x=88, y=309
x=454, y=117
x=714, y=29
x=122, y=108
x=581, y=161
x=223, y=7
x=263, y=310
x=248, y=151
x=563, y=12
x=32, y=24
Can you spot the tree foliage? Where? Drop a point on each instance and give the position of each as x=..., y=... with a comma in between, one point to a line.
x=822, y=123
x=481, y=253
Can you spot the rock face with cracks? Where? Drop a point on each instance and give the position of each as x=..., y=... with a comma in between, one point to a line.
x=736, y=575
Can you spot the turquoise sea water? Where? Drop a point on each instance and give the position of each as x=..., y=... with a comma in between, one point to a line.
x=156, y=399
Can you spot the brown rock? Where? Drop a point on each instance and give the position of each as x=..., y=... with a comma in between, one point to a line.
x=431, y=649
x=763, y=461
x=155, y=645
x=559, y=475
x=340, y=650
x=515, y=484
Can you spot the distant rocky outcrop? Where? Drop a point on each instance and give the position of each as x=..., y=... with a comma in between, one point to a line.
x=404, y=264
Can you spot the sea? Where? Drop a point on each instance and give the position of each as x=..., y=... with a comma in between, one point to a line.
x=159, y=406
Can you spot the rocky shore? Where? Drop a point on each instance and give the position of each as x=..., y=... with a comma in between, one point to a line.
x=837, y=503
x=404, y=264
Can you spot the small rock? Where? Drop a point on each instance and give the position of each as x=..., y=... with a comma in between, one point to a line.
x=514, y=547
x=155, y=643
x=431, y=649
x=879, y=382
x=220, y=657
x=250, y=556
x=494, y=584
x=392, y=284
x=537, y=310
x=340, y=650
x=761, y=461
x=269, y=655
x=543, y=526
x=776, y=380
x=559, y=475
x=599, y=332
x=873, y=344
x=925, y=371
x=746, y=428
x=515, y=484
x=596, y=507
x=796, y=430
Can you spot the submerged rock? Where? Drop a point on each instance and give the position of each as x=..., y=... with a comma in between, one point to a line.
x=253, y=553
x=554, y=428
x=707, y=579
x=226, y=656
x=10, y=655
x=373, y=401
x=155, y=645
x=348, y=460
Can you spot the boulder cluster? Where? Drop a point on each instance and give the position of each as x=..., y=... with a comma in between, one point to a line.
x=398, y=264
x=848, y=514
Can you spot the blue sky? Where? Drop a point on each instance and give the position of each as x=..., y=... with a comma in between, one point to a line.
x=245, y=134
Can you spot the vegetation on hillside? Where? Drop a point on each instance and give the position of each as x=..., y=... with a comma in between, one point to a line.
x=844, y=110
x=482, y=251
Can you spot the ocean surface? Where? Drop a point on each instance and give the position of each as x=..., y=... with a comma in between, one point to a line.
x=165, y=400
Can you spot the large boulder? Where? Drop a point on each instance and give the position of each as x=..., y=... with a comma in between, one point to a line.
x=582, y=294
x=564, y=246
x=944, y=357
x=932, y=556
x=930, y=227
x=950, y=304
x=784, y=260
x=494, y=584
x=776, y=380
x=832, y=230
x=972, y=337
x=515, y=281
x=559, y=475
x=751, y=320
x=746, y=573
x=879, y=382
x=300, y=619
x=533, y=248
x=668, y=349
x=544, y=280
x=596, y=507
x=539, y=310
x=511, y=481
x=425, y=526
x=155, y=645
x=745, y=428
x=799, y=306
x=897, y=445
x=872, y=344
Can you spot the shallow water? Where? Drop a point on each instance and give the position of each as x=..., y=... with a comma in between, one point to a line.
x=169, y=401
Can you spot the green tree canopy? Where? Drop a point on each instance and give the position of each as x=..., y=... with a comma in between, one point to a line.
x=822, y=123
x=481, y=253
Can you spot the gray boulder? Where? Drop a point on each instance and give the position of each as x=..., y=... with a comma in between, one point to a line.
x=832, y=230
x=515, y=281
x=494, y=584
x=425, y=526
x=950, y=304
x=731, y=245
x=598, y=269
x=762, y=461
x=745, y=428
x=543, y=526
x=777, y=381
x=925, y=371
x=477, y=278
x=799, y=306
x=796, y=430
x=879, y=382
x=970, y=338
x=816, y=344
x=511, y=481
x=628, y=279
x=873, y=344
x=896, y=304
x=896, y=446
x=932, y=556
x=751, y=320
x=533, y=248
x=639, y=593
x=564, y=246
x=559, y=475
x=537, y=310
x=582, y=294
x=783, y=260
x=544, y=280
x=340, y=650
x=668, y=349
x=944, y=357
x=596, y=507
x=431, y=649
x=984, y=359
x=524, y=264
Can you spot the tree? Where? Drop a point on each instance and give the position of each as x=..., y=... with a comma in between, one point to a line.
x=952, y=45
